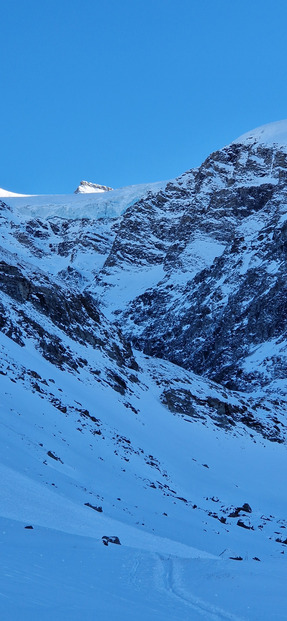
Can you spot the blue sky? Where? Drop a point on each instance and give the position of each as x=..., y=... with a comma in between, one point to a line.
x=128, y=91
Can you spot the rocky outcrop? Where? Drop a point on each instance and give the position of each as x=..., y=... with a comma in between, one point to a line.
x=88, y=187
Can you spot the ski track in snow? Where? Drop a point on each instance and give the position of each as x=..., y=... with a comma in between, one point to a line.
x=170, y=577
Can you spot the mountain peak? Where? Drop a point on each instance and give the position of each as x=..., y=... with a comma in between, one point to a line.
x=86, y=187
x=270, y=134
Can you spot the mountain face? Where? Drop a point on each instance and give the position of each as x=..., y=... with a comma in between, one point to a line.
x=222, y=228
x=143, y=381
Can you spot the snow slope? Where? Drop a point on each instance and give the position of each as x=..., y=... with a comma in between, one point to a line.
x=175, y=555
x=270, y=134
x=7, y=194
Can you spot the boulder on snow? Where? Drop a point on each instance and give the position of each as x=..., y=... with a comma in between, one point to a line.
x=113, y=539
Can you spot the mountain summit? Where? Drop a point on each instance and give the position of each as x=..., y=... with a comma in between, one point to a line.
x=86, y=187
x=270, y=134
x=7, y=194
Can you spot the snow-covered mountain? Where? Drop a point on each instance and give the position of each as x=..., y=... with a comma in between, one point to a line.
x=7, y=194
x=86, y=187
x=143, y=385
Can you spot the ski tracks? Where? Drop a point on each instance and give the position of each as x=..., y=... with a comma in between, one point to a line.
x=170, y=579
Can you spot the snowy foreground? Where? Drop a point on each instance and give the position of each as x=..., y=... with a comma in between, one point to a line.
x=175, y=561
x=71, y=577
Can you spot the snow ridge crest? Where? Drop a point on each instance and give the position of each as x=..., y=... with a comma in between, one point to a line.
x=270, y=134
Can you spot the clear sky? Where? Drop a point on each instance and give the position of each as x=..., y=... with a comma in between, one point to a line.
x=128, y=91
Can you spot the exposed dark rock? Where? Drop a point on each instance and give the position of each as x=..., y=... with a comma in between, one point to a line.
x=110, y=539
x=245, y=509
x=99, y=509
x=179, y=401
x=55, y=457
x=284, y=541
x=243, y=525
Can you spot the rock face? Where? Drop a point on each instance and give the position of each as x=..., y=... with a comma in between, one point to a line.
x=193, y=273
x=219, y=235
